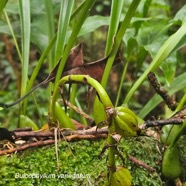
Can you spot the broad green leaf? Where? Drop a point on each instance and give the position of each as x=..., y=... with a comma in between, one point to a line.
x=40, y=40
x=4, y=28
x=131, y=46
x=2, y=5
x=180, y=15
x=140, y=57
x=92, y=23
x=150, y=38
x=12, y=7
x=39, y=32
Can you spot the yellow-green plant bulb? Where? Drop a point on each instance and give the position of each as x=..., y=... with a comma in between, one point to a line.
x=171, y=165
x=121, y=177
x=125, y=122
x=122, y=128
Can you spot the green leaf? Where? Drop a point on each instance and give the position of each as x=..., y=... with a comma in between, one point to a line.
x=169, y=67
x=2, y=5
x=180, y=15
x=116, y=9
x=118, y=39
x=92, y=23
x=64, y=19
x=12, y=7
x=75, y=30
x=131, y=46
x=25, y=121
x=146, y=7
x=51, y=30
x=25, y=32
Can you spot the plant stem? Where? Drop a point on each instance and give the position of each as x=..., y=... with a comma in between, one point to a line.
x=111, y=154
x=121, y=82
x=85, y=79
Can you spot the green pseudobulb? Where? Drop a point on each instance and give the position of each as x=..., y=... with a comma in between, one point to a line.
x=171, y=165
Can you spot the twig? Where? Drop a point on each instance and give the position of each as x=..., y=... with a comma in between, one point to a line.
x=29, y=145
x=177, y=119
x=142, y=164
x=180, y=114
x=68, y=135
x=69, y=132
x=155, y=123
x=49, y=142
x=171, y=103
x=89, y=136
x=21, y=129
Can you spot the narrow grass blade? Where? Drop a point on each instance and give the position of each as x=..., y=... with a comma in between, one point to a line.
x=13, y=35
x=25, y=29
x=117, y=41
x=64, y=19
x=51, y=30
x=116, y=9
x=75, y=30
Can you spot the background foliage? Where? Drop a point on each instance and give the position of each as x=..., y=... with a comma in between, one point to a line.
x=33, y=39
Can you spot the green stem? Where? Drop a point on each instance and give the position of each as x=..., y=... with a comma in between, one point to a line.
x=121, y=83
x=86, y=80
x=111, y=155
x=13, y=36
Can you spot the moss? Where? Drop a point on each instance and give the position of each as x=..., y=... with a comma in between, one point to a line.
x=79, y=164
